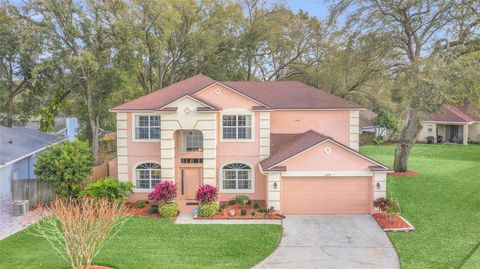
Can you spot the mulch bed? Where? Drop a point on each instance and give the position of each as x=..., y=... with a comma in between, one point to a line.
x=238, y=215
x=405, y=174
x=392, y=224
x=132, y=210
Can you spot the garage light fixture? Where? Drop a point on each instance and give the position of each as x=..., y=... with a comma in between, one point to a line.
x=275, y=186
x=378, y=185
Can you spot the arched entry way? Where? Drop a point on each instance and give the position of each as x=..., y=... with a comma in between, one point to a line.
x=189, y=163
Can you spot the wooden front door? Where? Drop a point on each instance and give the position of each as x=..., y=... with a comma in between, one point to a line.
x=191, y=179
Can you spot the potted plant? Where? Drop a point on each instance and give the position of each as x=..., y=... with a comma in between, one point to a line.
x=243, y=200
x=256, y=207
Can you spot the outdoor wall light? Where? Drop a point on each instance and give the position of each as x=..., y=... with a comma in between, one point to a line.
x=378, y=185
x=275, y=186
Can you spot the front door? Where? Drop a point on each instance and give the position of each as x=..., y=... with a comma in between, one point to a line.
x=190, y=181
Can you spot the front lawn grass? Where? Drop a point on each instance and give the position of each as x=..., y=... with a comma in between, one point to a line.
x=157, y=243
x=443, y=204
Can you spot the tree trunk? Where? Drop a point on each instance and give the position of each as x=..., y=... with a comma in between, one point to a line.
x=408, y=138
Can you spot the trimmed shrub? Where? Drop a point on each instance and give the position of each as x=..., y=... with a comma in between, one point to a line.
x=140, y=204
x=163, y=193
x=153, y=209
x=109, y=188
x=66, y=166
x=168, y=210
x=207, y=194
x=208, y=210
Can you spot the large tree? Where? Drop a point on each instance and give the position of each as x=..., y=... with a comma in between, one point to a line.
x=24, y=71
x=416, y=29
x=82, y=42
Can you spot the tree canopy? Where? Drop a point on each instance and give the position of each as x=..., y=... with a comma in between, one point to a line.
x=410, y=58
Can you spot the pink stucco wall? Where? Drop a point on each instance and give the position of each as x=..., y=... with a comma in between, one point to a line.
x=113, y=168
x=332, y=123
x=316, y=159
x=226, y=98
x=139, y=151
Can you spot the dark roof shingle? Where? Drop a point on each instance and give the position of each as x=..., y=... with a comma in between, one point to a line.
x=164, y=96
x=284, y=146
x=269, y=95
x=455, y=114
x=17, y=142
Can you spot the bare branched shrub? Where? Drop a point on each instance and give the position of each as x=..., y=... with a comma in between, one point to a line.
x=79, y=228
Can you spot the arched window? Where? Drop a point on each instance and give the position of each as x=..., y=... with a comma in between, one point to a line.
x=237, y=176
x=147, y=175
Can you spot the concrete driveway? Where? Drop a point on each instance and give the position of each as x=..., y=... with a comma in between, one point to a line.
x=332, y=241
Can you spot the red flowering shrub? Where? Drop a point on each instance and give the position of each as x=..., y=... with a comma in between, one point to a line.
x=207, y=194
x=163, y=193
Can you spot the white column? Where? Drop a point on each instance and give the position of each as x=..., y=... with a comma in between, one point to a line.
x=354, y=129
x=380, y=184
x=465, y=134
x=209, y=132
x=264, y=134
x=122, y=149
x=167, y=145
x=273, y=193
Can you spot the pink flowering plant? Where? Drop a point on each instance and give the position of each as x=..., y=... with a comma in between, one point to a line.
x=163, y=193
x=207, y=194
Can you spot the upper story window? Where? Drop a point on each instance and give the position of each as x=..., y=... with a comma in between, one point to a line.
x=237, y=127
x=192, y=141
x=147, y=127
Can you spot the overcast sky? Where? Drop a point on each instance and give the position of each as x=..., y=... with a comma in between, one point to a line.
x=313, y=7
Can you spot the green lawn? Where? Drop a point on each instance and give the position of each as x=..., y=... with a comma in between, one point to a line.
x=157, y=243
x=443, y=204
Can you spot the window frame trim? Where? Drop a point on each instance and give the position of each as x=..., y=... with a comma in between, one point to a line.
x=134, y=175
x=252, y=175
x=237, y=112
x=134, y=127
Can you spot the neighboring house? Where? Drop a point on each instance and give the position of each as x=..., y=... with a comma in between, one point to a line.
x=18, y=149
x=284, y=142
x=367, y=125
x=454, y=124
x=65, y=126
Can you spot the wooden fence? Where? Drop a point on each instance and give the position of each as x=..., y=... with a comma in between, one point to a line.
x=34, y=191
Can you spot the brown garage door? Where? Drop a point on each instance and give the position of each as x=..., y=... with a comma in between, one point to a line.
x=317, y=195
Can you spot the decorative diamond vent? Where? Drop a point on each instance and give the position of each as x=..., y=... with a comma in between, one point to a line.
x=327, y=150
x=217, y=91
x=187, y=110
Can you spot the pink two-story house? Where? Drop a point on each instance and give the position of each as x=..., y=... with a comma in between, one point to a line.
x=292, y=145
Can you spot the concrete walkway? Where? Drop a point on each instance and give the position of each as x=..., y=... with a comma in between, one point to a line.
x=187, y=218
x=10, y=224
x=332, y=241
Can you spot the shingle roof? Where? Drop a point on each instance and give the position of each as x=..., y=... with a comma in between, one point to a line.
x=17, y=142
x=269, y=94
x=164, y=96
x=284, y=146
x=455, y=114
x=289, y=95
